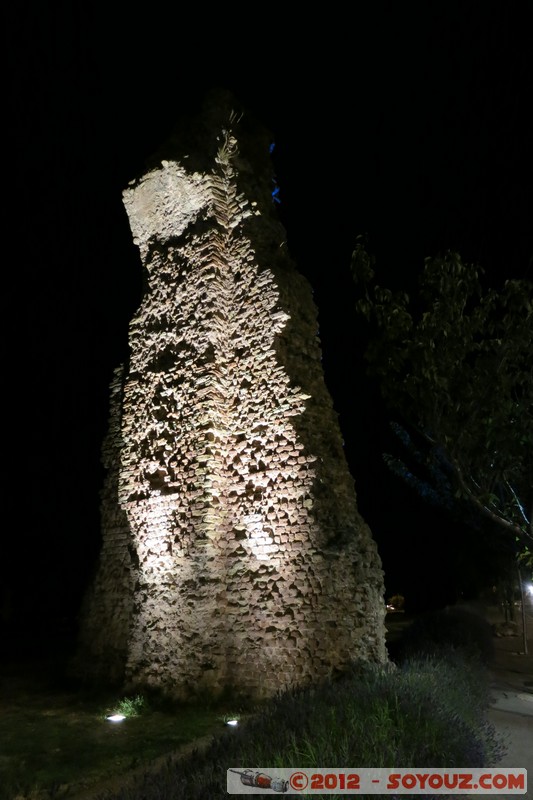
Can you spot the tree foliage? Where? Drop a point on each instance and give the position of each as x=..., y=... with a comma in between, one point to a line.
x=457, y=366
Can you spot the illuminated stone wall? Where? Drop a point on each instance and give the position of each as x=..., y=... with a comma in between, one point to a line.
x=233, y=552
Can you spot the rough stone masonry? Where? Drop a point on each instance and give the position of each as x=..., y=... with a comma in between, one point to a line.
x=233, y=556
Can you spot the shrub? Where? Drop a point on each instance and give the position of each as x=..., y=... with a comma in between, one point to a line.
x=439, y=633
x=397, y=601
x=132, y=706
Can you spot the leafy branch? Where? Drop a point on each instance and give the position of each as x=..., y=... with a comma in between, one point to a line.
x=459, y=371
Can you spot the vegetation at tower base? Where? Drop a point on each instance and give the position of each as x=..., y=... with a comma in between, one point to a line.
x=183, y=751
x=458, y=372
x=366, y=719
x=234, y=557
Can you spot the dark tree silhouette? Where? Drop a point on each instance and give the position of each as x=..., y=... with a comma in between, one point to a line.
x=456, y=367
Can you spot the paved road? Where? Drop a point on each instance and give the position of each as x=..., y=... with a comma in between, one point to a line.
x=512, y=705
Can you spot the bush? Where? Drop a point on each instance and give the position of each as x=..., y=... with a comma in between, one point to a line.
x=132, y=706
x=424, y=714
x=397, y=601
x=440, y=633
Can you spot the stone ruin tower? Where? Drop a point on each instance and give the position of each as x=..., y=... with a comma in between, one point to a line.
x=233, y=555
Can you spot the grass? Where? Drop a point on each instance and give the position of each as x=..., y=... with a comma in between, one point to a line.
x=57, y=741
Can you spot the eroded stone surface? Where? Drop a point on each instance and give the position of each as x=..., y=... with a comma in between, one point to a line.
x=233, y=552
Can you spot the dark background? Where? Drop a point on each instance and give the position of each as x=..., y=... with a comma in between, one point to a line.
x=408, y=122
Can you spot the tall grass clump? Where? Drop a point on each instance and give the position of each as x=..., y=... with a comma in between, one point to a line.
x=132, y=706
x=424, y=713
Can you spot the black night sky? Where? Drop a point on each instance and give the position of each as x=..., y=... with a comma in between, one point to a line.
x=410, y=122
